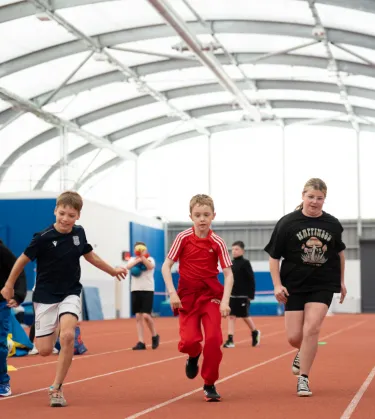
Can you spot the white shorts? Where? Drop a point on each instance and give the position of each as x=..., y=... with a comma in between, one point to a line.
x=47, y=316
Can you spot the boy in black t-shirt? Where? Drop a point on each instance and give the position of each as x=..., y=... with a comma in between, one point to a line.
x=57, y=250
x=243, y=291
x=309, y=241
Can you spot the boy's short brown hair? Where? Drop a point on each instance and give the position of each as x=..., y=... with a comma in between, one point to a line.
x=71, y=199
x=202, y=199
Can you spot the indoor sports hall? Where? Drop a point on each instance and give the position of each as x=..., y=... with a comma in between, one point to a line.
x=140, y=105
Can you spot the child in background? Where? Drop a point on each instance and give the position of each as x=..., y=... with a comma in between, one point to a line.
x=243, y=291
x=142, y=268
x=200, y=299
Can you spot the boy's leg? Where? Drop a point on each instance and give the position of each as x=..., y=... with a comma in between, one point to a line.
x=4, y=331
x=68, y=313
x=211, y=320
x=250, y=323
x=140, y=327
x=136, y=300
x=231, y=327
x=190, y=340
x=190, y=333
x=147, y=305
x=46, y=327
x=68, y=323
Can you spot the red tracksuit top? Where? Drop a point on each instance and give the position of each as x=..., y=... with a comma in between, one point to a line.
x=198, y=263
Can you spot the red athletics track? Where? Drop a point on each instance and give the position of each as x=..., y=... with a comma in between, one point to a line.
x=113, y=382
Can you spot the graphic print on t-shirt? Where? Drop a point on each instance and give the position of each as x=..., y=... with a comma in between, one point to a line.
x=314, y=245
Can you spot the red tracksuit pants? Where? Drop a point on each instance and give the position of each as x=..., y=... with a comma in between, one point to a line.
x=203, y=312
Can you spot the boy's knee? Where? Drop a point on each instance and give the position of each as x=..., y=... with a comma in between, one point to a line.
x=45, y=351
x=66, y=337
x=295, y=340
x=214, y=341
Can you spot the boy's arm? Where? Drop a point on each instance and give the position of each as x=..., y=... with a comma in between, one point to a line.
x=166, y=271
x=133, y=262
x=8, y=291
x=228, y=285
x=94, y=259
x=149, y=265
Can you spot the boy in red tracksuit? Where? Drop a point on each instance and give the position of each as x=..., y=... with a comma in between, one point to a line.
x=200, y=299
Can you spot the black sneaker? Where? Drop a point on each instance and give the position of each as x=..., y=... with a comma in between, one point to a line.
x=139, y=346
x=155, y=341
x=229, y=344
x=255, y=335
x=210, y=393
x=303, y=389
x=296, y=365
x=192, y=368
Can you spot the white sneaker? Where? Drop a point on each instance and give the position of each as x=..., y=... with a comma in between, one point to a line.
x=296, y=365
x=33, y=351
x=303, y=389
x=55, y=351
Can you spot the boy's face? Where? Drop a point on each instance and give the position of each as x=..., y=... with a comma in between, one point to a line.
x=66, y=217
x=237, y=251
x=202, y=216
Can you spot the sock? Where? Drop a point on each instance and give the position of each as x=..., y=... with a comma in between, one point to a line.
x=230, y=337
x=304, y=375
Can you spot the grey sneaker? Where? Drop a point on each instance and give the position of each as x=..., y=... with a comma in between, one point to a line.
x=296, y=365
x=56, y=397
x=303, y=389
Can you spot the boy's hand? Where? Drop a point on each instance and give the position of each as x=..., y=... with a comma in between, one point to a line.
x=7, y=292
x=12, y=303
x=224, y=309
x=120, y=273
x=175, y=301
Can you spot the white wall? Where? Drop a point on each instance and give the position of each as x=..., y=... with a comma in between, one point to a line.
x=352, y=303
x=107, y=230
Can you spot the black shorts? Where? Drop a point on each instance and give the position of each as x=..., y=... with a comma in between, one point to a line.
x=239, y=306
x=296, y=302
x=142, y=301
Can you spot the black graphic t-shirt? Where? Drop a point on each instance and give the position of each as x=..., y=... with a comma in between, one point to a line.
x=58, y=268
x=310, y=250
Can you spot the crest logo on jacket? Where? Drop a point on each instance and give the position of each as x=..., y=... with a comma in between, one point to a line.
x=76, y=240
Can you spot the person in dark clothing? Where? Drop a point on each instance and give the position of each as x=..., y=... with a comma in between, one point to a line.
x=243, y=291
x=7, y=260
x=309, y=242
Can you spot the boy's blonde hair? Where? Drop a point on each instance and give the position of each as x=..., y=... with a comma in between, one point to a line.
x=201, y=199
x=71, y=199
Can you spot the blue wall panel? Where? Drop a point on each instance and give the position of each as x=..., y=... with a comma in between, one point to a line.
x=19, y=220
x=154, y=239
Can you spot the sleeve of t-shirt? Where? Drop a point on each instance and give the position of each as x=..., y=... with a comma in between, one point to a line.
x=176, y=248
x=339, y=244
x=276, y=246
x=152, y=260
x=224, y=258
x=87, y=248
x=32, y=250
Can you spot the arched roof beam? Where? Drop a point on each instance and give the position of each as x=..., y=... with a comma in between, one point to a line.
x=161, y=31
x=24, y=8
x=196, y=113
x=217, y=128
x=170, y=65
